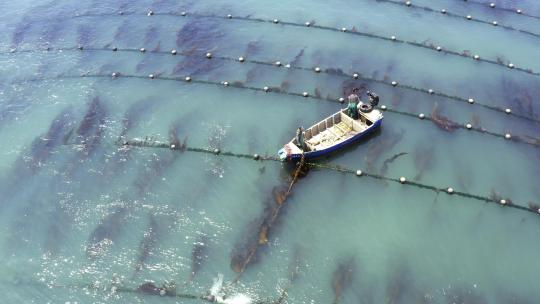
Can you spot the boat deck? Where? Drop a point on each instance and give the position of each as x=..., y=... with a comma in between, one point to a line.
x=330, y=136
x=335, y=129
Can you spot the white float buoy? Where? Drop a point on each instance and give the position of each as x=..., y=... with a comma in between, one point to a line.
x=150, y=13
x=469, y=17
x=183, y=13
x=507, y=136
x=495, y=23
x=430, y=91
x=278, y=63
x=266, y=89
x=507, y=111
x=402, y=179
x=225, y=83
x=174, y=52
x=308, y=23
x=341, y=100
x=468, y=126
x=256, y=156
x=317, y=70
x=408, y=3
x=421, y=116
x=208, y=55
x=114, y=74
x=393, y=38
x=80, y=47
x=305, y=94
x=439, y=48
x=287, y=65
x=188, y=79
x=383, y=107
x=358, y=172
x=476, y=57
x=162, y=292
x=394, y=83
x=216, y=151
x=275, y=21
x=443, y=11
x=151, y=76
x=492, y=5
x=470, y=100
x=142, y=50
x=229, y=16
x=241, y=59
x=502, y=202
x=511, y=65
x=173, y=146
x=518, y=11
x=355, y=76
x=450, y=190
x=343, y=29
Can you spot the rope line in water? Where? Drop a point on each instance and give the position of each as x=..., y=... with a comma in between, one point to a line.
x=439, y=49
x=329, y=71
x=267, y=226
x=500, y=8
x=114, y=287
x=452, y=125
x=328, y=166
x=468, y=17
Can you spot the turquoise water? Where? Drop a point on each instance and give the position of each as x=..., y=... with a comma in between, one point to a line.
x=87, y=220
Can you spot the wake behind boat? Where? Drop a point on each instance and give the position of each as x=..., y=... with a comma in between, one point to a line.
x=336, y=131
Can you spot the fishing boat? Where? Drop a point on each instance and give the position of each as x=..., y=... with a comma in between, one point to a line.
x=334, y=132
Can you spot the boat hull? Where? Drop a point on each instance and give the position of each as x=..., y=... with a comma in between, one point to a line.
x=319, y=153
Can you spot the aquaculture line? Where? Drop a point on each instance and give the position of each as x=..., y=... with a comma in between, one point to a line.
x=352, y=31
x=467, y=17
x=497, y=7
x=533, y=208
x=337, y=72
x=145, y=289
x=440, y=121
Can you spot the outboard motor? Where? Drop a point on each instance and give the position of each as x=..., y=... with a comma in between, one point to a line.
x=373, y=99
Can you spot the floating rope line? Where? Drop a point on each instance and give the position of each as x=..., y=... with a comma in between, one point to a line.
x=146, y=289
x=442, y=123
x=500, y=8
x=468, y=17
x=329, y=71
x=353, y=31
x=328, y=166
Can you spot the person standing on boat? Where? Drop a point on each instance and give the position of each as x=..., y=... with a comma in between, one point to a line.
x=352, y=107
x=300, y=138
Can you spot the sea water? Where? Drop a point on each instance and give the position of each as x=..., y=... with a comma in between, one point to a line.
x=85, y=219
